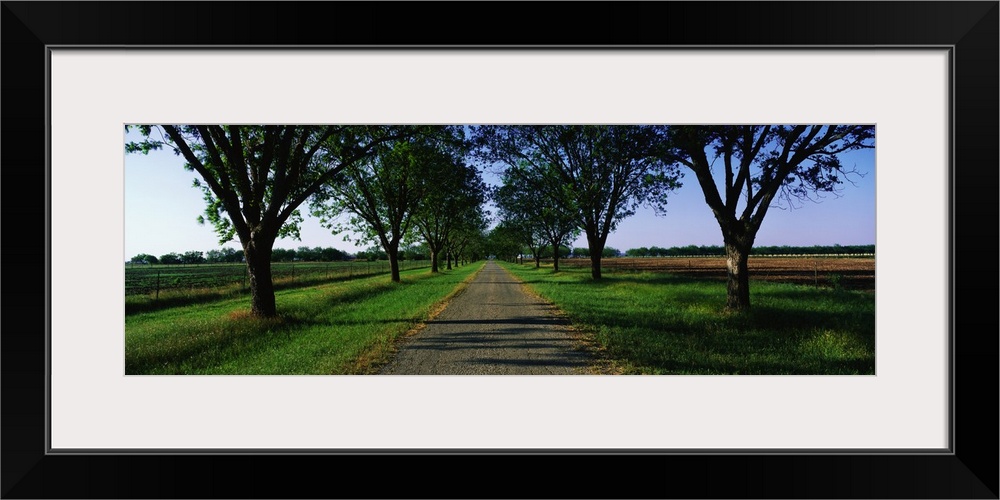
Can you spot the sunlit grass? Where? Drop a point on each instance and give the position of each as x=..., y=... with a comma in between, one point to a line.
x=336, y=328
x=654, y=323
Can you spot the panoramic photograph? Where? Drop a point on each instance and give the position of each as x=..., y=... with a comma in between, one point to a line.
x=499, y=249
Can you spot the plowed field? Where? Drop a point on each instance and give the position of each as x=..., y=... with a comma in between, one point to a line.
x=852, y=273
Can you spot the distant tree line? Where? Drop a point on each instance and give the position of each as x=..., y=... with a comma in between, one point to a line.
x=717, y=250
x=301, y=254
x=545, y=252
x=606, y=252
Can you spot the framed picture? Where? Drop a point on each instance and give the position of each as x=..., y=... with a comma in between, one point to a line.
x=924, y=72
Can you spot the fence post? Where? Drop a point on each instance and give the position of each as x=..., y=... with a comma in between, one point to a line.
x=157, y=285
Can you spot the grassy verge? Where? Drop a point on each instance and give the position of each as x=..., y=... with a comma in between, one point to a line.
x=337, y=328
x=656, y=323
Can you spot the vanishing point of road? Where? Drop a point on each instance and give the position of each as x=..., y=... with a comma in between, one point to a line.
x=493, y=327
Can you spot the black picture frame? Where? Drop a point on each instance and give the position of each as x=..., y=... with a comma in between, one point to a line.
x=969, y=28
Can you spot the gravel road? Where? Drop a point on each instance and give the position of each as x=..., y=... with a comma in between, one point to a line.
x=493, y=327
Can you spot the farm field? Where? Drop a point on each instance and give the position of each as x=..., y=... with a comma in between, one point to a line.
x=849, y=273
x=148, y=279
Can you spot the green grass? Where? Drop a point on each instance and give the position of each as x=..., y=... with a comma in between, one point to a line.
x=345, y=327
x=655, y=323
x=149, y=288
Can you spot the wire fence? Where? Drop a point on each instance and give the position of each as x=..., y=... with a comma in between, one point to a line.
x=152, y=279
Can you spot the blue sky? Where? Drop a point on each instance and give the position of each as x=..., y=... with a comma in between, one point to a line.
x=162, y=207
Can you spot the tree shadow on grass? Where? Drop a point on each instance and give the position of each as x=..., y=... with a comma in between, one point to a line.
x=179, y=298
x=239, y=335
x=766, y=340
x=214, y=345
x=790, y=329
x=176, y=298
x=743, y=352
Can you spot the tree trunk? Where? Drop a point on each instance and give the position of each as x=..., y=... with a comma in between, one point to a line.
x=737, y=270
x=434, y=260
x=393, y=253
x=447, y=258
x=258, y=257
x=538, y=260
x=555, y=257
x=596, y=245
x=595, y=266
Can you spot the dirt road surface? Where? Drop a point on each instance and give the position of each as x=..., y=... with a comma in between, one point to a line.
x=493, y=328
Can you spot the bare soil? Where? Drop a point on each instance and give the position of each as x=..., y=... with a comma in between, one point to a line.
x=851, y=273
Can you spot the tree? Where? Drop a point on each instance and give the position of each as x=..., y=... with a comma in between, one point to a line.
x=638, y=252
x=214, y=256
x=540, y=217
x=192, y=257
x=144, y=258
x=601, y=174
x=254, y=179
x=466, y=233
x=382, y=193
x=456, y=197
x=504, y=241
x=762, y=165
x=373, y=254
x=307, y=254
x=170, y=258
x=282, y=255
x=416, y=251
x=529, y=236
x=332, y=254
x=232, y=255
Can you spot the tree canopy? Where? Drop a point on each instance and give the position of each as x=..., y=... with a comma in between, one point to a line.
x=597, y=174
x=762, y=165
x=381, y=194
x=255, y=177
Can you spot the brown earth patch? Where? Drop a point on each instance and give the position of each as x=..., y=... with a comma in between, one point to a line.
x=851, y=273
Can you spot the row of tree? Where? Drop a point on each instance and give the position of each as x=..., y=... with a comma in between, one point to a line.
x=421, y=252
x=560, y=181
x=301, y=254
x=391, y=184
x=716, y=250
x=545, y=252
x=232, y=255
x=399, y=184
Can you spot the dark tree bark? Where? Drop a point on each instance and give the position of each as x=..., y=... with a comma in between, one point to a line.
x=596, y=245
x=393, y=252
x=257, y=253
x=738, y=276
x=434, y=259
